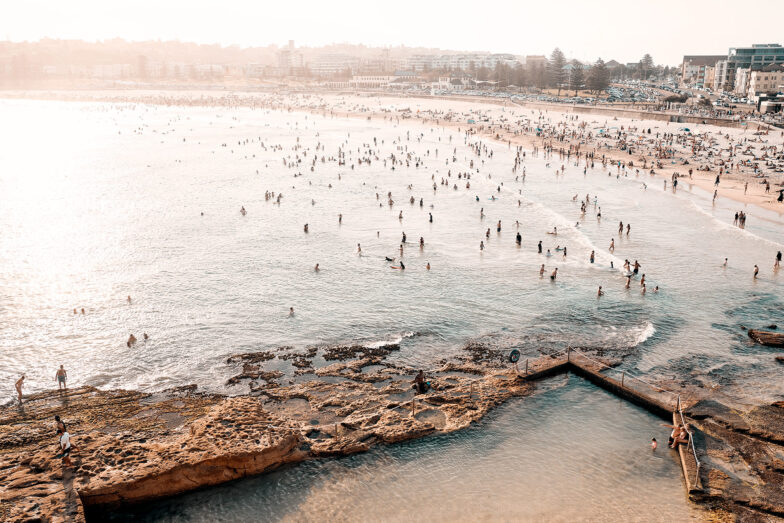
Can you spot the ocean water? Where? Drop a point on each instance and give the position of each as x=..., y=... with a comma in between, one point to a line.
x=103, y=201
x=571, y=452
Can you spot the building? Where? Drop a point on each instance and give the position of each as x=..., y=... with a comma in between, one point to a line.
x=693, y=69
x=454, y=82
x=290, y=61
x=768, y=80
x=459, y=62
x=333, y=64
x=756, y=57
x=709, y=76
x=370, y=81
x=742, y=77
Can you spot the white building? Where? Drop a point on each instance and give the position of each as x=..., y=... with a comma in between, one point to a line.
x=460, y=62
x=331, y=64
x=763, y=82
x=370, y=81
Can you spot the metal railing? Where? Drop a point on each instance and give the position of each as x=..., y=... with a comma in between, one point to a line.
x=690, y=445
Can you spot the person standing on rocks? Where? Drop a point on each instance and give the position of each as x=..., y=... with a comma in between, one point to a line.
x=61, y=376
x=18, y=385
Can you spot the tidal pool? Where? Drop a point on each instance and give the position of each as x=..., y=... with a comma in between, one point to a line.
x=569, y=452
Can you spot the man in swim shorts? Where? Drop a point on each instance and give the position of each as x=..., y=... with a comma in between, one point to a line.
x=61, y=376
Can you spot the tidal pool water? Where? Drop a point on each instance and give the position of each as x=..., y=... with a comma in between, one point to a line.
x=570, y=452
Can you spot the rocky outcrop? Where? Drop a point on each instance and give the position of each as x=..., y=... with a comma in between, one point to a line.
x=131, y=446
x=742, y=459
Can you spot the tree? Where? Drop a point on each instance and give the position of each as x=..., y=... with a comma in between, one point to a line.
x=577, y=77
x=556, y=75
x=520, y=78
x=598, y=77
x=646, y=66
x=536, y=75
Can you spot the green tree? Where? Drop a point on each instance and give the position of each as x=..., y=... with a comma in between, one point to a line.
x=646, y=66
x=598, y=77
x=556, y=75
x=576, y=77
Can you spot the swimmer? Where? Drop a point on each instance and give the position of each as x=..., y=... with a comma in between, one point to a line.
x=428, y=266
x=654, y=444
x=554, y=274
x=600, y=292
x=518, y=239
x=306, y=227
x=316, y=268
x=593, y=256
x=340, y=219
x=612, y=245
x=548, y=253
x=129, y=299
x=541, y=271
x=540, y=246
x=756, y=272
x=725, y=263
x=482, y=245
x=291, y=312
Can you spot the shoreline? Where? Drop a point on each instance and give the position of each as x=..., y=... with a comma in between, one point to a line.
x=731, y=187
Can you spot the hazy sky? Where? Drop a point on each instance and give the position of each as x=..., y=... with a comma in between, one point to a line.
x=584, y=29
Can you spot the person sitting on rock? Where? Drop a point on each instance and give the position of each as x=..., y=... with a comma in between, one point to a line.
x=682, y=437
